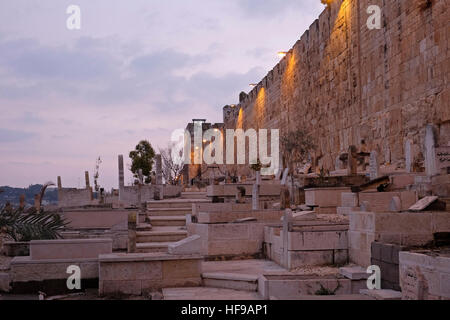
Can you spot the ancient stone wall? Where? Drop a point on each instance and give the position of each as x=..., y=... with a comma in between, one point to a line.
x=346, y=84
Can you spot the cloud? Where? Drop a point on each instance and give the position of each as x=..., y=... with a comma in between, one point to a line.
x=272, y=9
x=136, y=70
x=26, y=58
x=8, y=136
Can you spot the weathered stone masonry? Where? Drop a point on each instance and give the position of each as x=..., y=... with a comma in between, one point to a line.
x=346, y=84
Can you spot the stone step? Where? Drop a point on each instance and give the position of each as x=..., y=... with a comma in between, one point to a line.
x=144, y=227
x=161, y=236
x=168, y=221
x=149, y=247
x=169, y=211
x=175, y=203
x=234, y=281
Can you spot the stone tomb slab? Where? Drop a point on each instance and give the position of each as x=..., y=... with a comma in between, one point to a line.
x=423, y=203
x=69, y=249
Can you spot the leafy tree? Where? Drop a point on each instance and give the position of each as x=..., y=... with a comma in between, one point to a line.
x=142, y=158
x=296, y=147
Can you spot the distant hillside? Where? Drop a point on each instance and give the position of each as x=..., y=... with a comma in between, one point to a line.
x=13, y=194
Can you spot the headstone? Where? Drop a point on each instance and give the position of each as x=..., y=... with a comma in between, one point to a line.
x=86, y=177
x=255, y=196
x=258, y=177
x=121, y=174
x=278, y=174
x=374, y=166
x=387, y=155
x=285, y=175
x=352, y=168
x=285, y=198
x=423, y=203
x=158, y=161
x=240, y=195
x=139, y=200
x=338, y=164
x=365, y=206
x=22, y=201
x=37, y=202
x=442, y=158
x=395, y=205
x=430, y=152
x=408, y=156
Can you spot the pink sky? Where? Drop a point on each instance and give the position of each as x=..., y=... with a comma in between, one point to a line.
x=136, y=70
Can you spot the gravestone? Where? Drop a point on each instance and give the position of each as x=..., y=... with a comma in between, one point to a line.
x=86, y=177
x=255, y=196
x=258, y=177
x=430, y=152
x=395, y=205
x=352, y=167
x=442, y=158
x=365, y=206
x=22, y=201
x=285, y=175
x=423, y=203
x=338, y=164
x=408, y=156
x=158, y=162
x=278, y=175
x=59, y=183
x=37, y=202
x=374, y=167
x=285, y=198
x=240, y=194
x=139, y=198
x=121, y=173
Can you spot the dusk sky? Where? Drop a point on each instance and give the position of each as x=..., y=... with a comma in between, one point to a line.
x=137, y=69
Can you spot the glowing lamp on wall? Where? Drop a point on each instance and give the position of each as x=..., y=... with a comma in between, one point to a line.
x=282, y=54
x=326, y=2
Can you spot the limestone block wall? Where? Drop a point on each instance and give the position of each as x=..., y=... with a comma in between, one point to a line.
x=346, y=84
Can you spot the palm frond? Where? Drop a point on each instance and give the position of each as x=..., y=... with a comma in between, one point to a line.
x=20, y=225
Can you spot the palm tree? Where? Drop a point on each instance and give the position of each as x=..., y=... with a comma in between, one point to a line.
x=26, y=225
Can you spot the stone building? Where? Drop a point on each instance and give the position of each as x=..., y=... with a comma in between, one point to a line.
x=200, y=172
